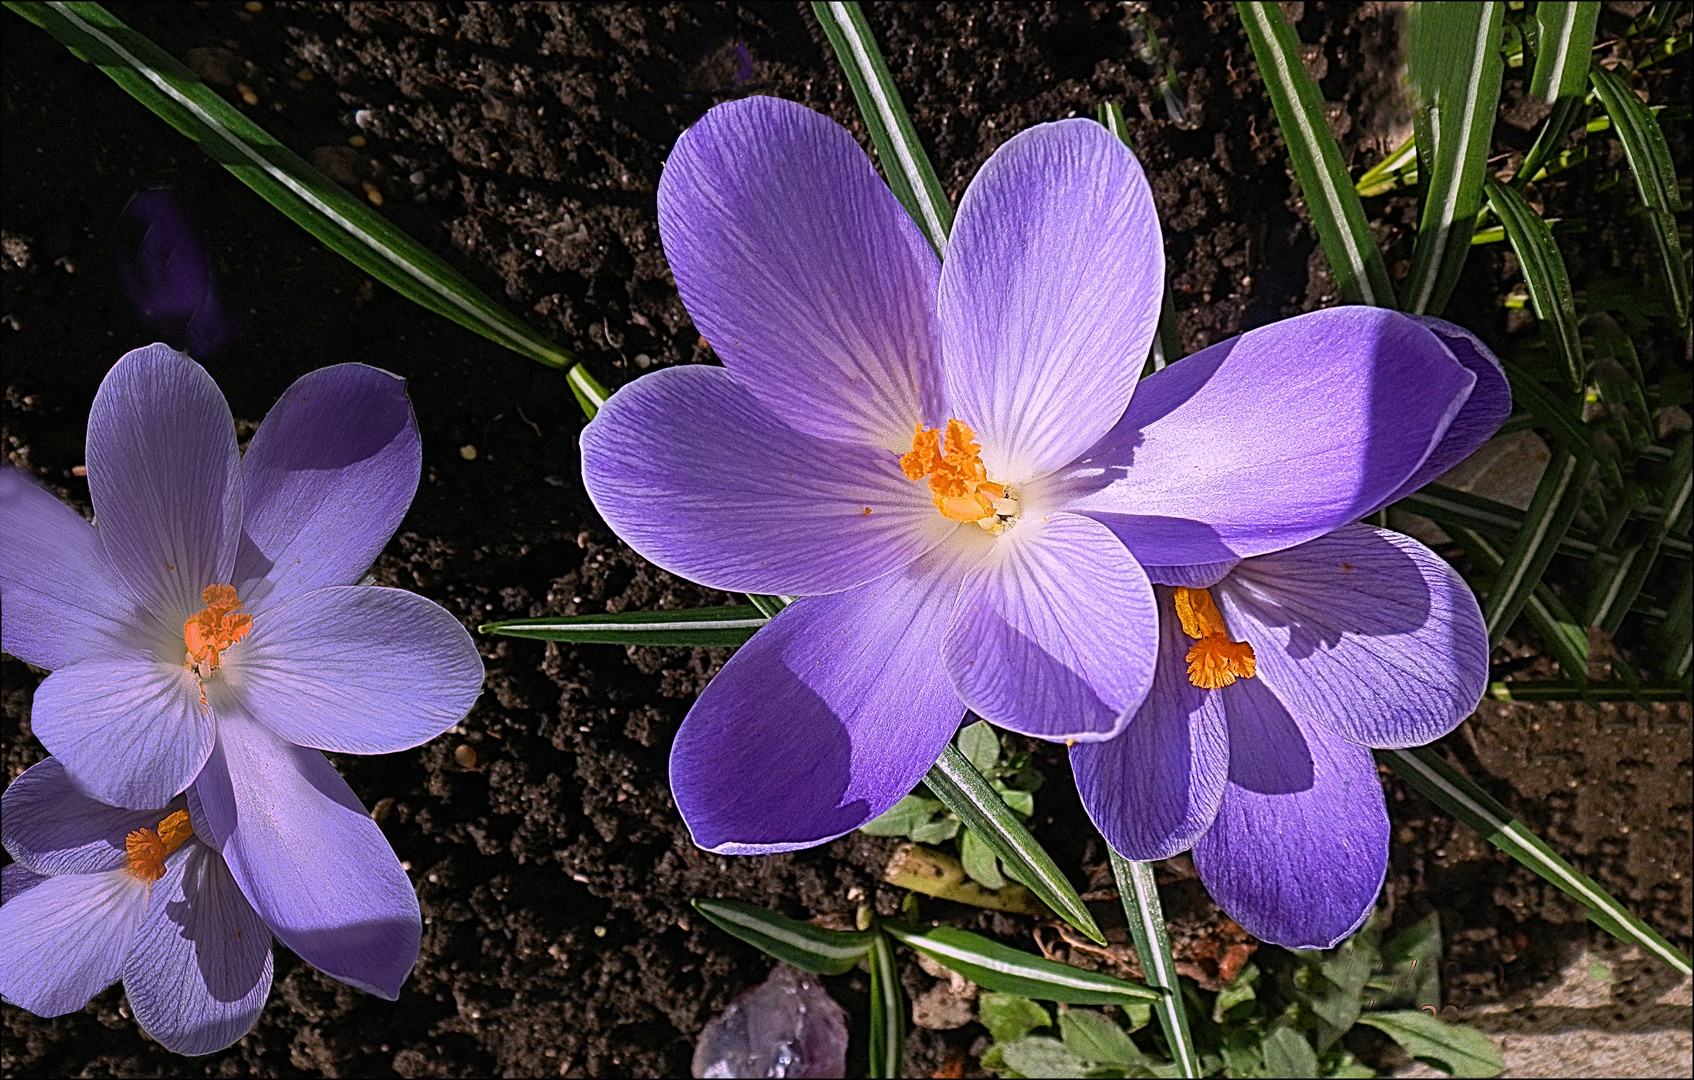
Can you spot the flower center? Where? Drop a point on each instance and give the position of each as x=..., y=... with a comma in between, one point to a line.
x=148, y=849
x=215, y=629
x=1213, y=660
x=958, y=481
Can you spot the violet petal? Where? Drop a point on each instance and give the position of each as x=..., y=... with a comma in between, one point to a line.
x=63, y=939
x=52, y=828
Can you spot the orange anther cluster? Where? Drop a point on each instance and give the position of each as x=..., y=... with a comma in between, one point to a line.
x=958, y=481
x=215, y=629
x=1214, y=660
x=148, y=849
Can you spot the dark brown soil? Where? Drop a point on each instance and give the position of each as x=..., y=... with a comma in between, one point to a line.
x=523, y=142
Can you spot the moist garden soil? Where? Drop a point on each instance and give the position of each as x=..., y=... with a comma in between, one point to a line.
x=524, y=142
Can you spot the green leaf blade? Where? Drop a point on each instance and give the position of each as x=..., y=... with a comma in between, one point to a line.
x=712, y=627
x=1462, y=1051
x=1140, y=896
x=1008, y=971
x=1556, y=500
x=808, y=947
x=1566, y=39
x=1544, y=275
x=888, y=1011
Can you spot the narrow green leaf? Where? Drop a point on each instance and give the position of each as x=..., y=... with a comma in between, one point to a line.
x=1167, y=341
x=342, y=223
x=1388, y=174
x=1556, y=501
x=1354, y=259
x=1544, y=275
x=904, y=161
x=955, y=781
x=712, y=627
x=1655, y=178
x=888, y=1011
x=769, y=605
x=808, y=947
x=1676, y=634
x=1559, y=417
x=1456, y=793
x=1454, y=65
x=1622, y=584
x=1146, y=917
x=590, y=395
x=1561, y=690
x=1565, y=113
x=1462, y=1051
x=1564, y=636
x=1096, y=1037
x=998, y=967
x=1561, y=54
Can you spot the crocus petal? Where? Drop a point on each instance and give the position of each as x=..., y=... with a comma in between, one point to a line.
x=1269, y=439
x=1154, y=790
x=1054, y=633
x=307, y=856
x=1050, y=295
x=803, y=271
x=1488, y=406
x=1364, y=631
x=63, y=939
x=200, y=970
x=60, y=599
x=694, y=473
x=357, y=669
x=1300, y=845
x=824, y=719
x=325, y=482
x=52, y=828
x=165, y=479
x=129, y=730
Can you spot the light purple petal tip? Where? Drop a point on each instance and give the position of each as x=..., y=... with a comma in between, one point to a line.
x=325, y=482
x=308, y=857
x=63, y=939
x=694, y=473
x=53, y=828
x=1299, y=849
x=165, y=478
x=1365, y=631
x=1055, y=632
x=803, y=271
x=1270, y=439
x=200, y=970
x=1050, y=295
x=60, y=599
x=824, y=720
x=1155, y=789
x=357, y=669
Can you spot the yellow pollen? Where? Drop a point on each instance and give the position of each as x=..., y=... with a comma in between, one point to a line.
x=147, y=849
x=215, y=629
x=958, y=481
x=1214, y=660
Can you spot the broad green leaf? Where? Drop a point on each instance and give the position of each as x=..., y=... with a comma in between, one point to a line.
x=998, y=967
x=1655, y=178
x=935, y=830
x=1556, y=500
x=1413, y=956
x=1287, y=1053
x=1094, y=1036
x=589, y=394
x=1454, y=66
x=904, y=816
x=1039, y=1055
x=1167, y=341
x=980, y=745
x=1140, y=896
x=1462, y=1051
x=979, y=860
x=936, y=873
x=888, y=1011
x=904, y=162
x=712, y=627
x=1240, y=991
x=1021, y=802
x=347, y=226
x=1561, y=54
x=1451, y=790
x=808, y=947
x=1344, y=231
x=1544, y=275
x=1009, y=1017
x=955, y=781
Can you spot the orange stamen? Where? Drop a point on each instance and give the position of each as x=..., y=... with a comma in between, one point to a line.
x=1214, y=660
x=958, y=481
x=147, y=849
x=215, y=628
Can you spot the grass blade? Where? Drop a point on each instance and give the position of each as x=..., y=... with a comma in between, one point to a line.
x=888, y=1011
x=904, y=161
x=1655, y=178
x=1454, y=64
x=1552, y=135
x=342, y=223
x=1623, y=583
x=712, y=627
x=1560, y=418
x=1388, y=174
x=1556, y=501
x=808, y=947
x=1564, y=636
x=1563, y=690
x=997, y=967
x=1450, y=789
x=1561, y=59
x=590, y=395
x=1140, y=896
x=1676, y=634
x=1544, y=275
x=1354, y=259
x=955, y=781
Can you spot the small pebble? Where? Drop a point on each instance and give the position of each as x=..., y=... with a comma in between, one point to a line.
x=468, y=452
x=372, y=193
x=381, y=811
x=247, y=93
x=254, y=6
x=642, y=360
x=599, y=931
x=357, y=142
x=465, y=755
x=418, y=179
x=304, y=74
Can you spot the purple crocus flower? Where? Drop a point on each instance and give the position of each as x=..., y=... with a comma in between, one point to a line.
x=100, y=893
x=210, y=632
x=944, y=461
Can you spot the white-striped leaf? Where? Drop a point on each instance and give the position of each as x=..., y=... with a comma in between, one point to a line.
x=590, y=395
x=712, y=627
x=809, y=947
x=1005, y=970
x=1146, y=917
x=888, y=1012
x=1544, y=275
x=1561, y=55
x=1555, y=502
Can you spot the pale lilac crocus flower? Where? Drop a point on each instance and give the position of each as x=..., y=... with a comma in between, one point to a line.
x=1008, y=566
x=210, y=632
